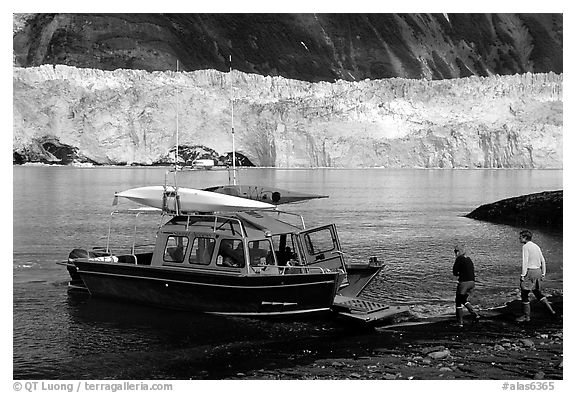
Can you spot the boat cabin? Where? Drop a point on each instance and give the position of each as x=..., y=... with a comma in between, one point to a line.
x=246, y=243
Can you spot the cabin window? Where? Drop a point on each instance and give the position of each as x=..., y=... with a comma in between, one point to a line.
x=175, y=249
x=231, y=253
x=285, y=249
x=260, y=253
x=319, y=241
x=202, y=250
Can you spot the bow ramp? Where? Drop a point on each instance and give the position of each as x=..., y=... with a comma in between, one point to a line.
x=363, y=310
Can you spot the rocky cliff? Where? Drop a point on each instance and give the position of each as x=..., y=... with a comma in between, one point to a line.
x=65, y=113
x=310, y=47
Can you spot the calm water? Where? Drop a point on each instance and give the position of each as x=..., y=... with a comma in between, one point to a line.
x=409, y=219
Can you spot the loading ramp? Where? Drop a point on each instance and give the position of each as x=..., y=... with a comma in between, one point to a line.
x=367, y=311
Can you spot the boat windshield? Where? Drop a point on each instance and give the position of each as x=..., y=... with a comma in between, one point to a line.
x=202, y=250
x=285, y=249
x=231, y=253
x=260, y=252
x=176, y=248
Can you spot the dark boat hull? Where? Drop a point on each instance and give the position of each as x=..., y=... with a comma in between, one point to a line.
x=75, y=279
x=252, y=295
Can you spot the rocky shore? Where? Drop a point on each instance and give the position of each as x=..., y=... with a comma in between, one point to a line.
x=539, y=209
x=495, y=348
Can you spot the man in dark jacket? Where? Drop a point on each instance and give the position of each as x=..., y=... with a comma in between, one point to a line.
x=464, y=269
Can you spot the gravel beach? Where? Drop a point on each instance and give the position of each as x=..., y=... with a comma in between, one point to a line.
x=494, y=348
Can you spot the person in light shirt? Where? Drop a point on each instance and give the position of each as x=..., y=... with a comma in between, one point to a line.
x=533, y=272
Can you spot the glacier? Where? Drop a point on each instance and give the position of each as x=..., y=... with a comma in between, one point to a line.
x=131, y=117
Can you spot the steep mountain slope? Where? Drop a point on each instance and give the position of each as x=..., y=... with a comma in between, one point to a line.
x=309, y=47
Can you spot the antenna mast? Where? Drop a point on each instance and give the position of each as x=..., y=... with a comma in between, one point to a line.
x=166, y=195
x=177, y=122
x=233, y=142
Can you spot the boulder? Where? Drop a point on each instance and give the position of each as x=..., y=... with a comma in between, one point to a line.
x=439, y=354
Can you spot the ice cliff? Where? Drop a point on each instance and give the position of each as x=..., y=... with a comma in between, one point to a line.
x=131, y=116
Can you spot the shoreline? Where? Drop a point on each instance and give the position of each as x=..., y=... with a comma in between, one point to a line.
x=222, y=168
x=495, y=348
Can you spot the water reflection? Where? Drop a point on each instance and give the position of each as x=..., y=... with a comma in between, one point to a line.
x=79, y=337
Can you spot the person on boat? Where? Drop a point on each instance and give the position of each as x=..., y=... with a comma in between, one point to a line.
x=228, y=261
x=464, y=269
x=292, y=262
x=229, y=256
x=286, y=255
x=238, y=255
x=257, y=254
x=533, y=272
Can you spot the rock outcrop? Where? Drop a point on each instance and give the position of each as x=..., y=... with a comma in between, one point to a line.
x=540, y=209
x=129, y=116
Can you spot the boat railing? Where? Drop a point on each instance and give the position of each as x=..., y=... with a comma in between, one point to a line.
x=229, y=219
x=303, y=269
x=291, y=214
x=297, y=269
x=216, y=219
x=136, y=212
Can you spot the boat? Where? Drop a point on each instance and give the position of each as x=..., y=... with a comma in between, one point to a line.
x=183, y=199
x=255, y=263
x=273, y=195
x=203, y=163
